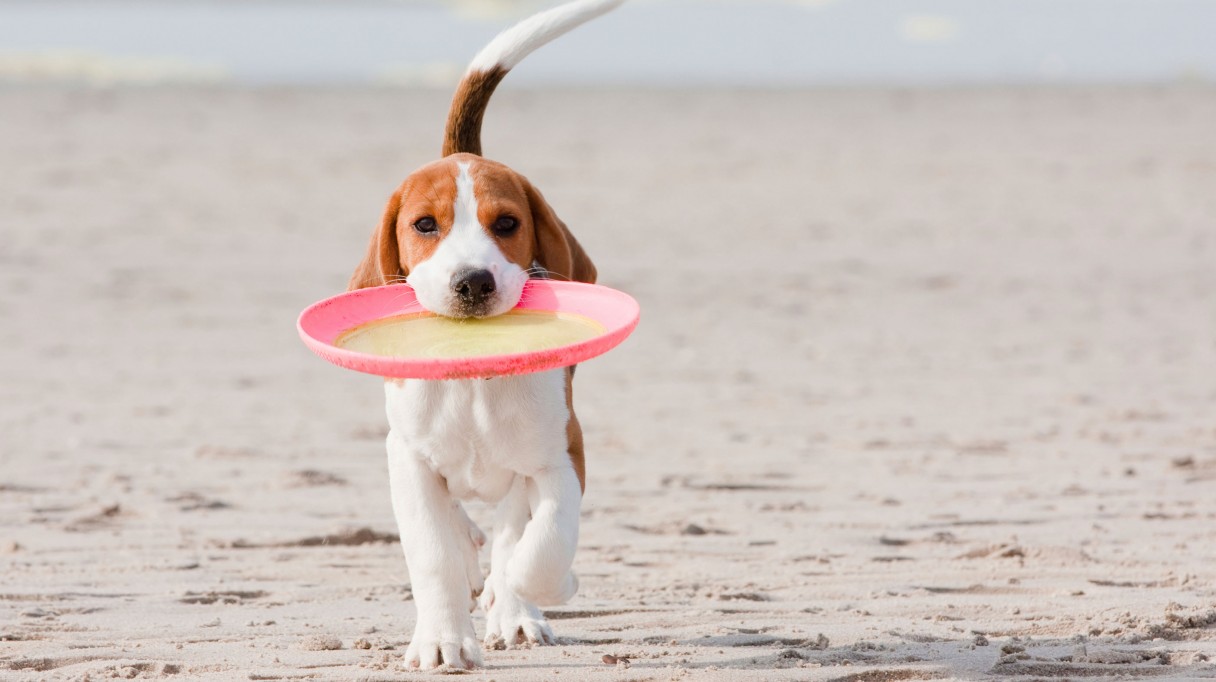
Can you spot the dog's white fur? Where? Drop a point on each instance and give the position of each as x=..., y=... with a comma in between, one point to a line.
x=502, y=441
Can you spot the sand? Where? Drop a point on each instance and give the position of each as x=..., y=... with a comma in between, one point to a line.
x=925, y=385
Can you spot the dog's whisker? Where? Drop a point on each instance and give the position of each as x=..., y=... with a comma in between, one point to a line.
x=544, y=273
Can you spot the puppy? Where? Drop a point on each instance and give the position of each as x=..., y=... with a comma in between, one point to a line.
x=467, y=233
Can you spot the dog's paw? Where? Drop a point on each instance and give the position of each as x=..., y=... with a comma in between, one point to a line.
x=511, y=622
x=444, y=642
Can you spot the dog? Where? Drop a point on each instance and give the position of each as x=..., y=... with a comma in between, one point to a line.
x=466, y=233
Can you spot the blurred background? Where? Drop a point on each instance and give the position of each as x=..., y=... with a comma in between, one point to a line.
x=927, y=352
x=656, y=42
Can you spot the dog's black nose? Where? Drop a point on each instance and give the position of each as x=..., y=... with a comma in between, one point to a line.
x=473, y=286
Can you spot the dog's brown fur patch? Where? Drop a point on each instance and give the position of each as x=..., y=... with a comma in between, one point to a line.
x=463, y=132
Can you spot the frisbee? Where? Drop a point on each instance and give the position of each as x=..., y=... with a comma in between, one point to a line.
x=593, y=320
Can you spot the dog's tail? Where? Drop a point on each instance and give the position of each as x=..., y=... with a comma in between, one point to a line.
x=509, y=48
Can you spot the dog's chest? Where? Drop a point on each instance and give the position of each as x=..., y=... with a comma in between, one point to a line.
x=479, y=433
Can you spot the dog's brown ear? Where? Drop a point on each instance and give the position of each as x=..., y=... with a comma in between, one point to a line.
x=556, y=248
x=382, y=264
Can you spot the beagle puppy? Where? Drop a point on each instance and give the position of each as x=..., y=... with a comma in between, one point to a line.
x=466, y=233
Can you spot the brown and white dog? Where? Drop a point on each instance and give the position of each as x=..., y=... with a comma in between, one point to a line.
x=467, y=233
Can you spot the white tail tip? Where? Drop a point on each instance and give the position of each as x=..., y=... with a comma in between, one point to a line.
x=512, y=45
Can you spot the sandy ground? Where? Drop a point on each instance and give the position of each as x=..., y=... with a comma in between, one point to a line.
x=925, y=386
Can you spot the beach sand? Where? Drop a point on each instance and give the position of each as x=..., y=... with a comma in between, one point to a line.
x=924, y=388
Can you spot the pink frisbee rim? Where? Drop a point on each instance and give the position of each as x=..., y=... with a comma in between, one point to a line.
x=322, y=322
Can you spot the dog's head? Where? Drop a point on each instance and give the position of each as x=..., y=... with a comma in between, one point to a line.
x=467, y=233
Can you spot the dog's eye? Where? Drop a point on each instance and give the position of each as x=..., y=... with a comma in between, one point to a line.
x=505, y=225
x=426, y=225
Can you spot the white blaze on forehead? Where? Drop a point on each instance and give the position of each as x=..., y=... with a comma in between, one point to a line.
x=468, y=245
x=466, y=199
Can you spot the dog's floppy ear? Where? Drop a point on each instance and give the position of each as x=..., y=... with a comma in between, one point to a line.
x=556, y=248
x=382, y=264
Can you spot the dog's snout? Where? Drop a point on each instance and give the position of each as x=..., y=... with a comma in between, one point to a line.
x=473, y=286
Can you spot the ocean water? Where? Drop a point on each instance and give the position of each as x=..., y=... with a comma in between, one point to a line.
x=646, y=42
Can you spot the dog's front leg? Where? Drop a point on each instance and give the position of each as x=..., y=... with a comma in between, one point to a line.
x=510, y=620
x=539, y=568
x=434, y=532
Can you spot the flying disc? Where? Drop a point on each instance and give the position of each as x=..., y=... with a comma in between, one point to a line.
x=604, y=317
